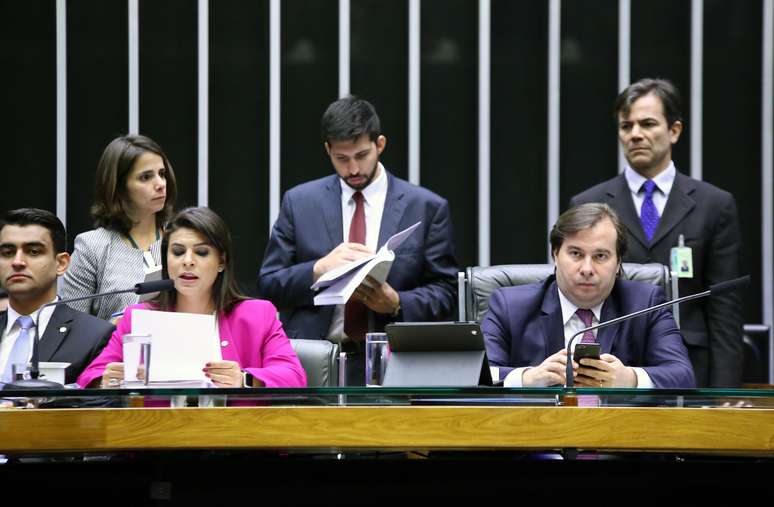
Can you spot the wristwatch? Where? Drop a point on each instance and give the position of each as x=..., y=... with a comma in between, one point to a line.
x=247, y=379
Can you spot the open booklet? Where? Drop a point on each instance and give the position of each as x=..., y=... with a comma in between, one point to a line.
x=337, y=285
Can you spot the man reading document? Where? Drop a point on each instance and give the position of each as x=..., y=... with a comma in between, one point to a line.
x=326, y=223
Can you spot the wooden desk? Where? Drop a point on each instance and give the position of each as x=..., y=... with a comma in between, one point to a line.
x=743, y=431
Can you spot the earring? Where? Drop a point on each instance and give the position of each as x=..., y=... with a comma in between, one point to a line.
x=220, y=269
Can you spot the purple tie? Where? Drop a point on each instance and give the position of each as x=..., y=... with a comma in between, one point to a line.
x=588, y=337
x=648, y=213
x=586, y=316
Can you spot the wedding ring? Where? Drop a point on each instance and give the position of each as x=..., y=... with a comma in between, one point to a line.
x=113, y=382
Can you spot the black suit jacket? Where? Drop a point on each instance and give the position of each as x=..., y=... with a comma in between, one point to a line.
x=71, y=337
x=309, y=226
x=707, y=217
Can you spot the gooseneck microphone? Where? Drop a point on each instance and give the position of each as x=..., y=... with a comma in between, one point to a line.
x=714, y=290
x=34, y=383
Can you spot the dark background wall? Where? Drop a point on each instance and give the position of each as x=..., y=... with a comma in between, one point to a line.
x=97, y=103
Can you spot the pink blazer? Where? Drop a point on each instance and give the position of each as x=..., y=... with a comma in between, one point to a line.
x=250, y=334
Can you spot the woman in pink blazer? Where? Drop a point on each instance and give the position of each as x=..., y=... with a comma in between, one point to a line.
x=196, y=253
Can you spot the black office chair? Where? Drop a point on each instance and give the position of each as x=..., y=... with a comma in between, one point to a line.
x=478, y=283
x=755, y=343
x=320, y=361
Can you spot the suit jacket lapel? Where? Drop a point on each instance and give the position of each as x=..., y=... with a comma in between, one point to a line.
x=677, y=206
x=229, y=352
x=551, y=320
x=56, y=331
x=621, y=200
x=394, y=206
x=608, y=335
x=331, y=211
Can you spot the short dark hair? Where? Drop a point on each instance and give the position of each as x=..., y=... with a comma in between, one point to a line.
x=585, y=216
x=225, y=290
x=349, y=118
x=111, y=200
x=41, y=217
x=661, y=88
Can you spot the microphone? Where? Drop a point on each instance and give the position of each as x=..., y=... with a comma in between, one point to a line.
x=714, y=290
x=34, y=383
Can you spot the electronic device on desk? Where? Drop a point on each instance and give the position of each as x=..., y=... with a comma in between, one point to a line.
x=436, y=354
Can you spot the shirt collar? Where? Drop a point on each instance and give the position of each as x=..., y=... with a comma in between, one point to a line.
x=663, y=180
x=45, y=316
x=376, y=187
x=569, y=308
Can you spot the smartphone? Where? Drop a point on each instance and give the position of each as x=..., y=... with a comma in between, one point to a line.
x=582, y=350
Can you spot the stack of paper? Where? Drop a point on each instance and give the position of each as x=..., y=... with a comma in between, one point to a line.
x=181, y=345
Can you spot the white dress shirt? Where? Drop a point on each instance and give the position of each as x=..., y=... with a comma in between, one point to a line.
x=374, y=196
x=12, y=330
x=664, y=181
x=572, y=324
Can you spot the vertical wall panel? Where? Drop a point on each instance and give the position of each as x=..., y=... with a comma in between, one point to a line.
x=732, y=106
x=661, y=47
x=97, y=96
x=519, y=125
x=449, y=133
x=239, y=127
x=168, y=86
x=379, y=71
x=309, y=83
x=28, y=98
x=589, y=81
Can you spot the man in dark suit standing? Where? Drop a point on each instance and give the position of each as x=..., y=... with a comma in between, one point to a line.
x=659, y=206
x=32, y=256
x=528, y=327
x=328, y=222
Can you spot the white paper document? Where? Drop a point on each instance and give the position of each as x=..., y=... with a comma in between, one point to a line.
x=181, y=344
x=337, y=285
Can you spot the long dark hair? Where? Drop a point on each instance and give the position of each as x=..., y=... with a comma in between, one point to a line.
x=111, y=200
x=225, y=291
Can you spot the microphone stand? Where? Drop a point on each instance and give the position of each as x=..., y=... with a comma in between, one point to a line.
x=716, y=290
x=35, y=383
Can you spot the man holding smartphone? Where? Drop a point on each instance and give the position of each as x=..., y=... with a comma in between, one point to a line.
x=527, y=327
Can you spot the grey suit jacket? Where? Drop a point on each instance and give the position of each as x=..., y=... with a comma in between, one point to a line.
x=707, y=217
x=71, y=337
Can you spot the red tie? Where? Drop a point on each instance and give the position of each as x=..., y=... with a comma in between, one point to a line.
x=355, y=312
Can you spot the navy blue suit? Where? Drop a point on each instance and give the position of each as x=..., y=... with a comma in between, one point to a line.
x=309, y=226
x=524, y=326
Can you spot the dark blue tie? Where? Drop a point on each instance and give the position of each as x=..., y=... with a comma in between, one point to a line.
x=648, y=213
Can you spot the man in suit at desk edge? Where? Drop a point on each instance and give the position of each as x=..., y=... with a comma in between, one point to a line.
x=33, y=255
x=659, y=205
x=333, y=220
x=527, y=328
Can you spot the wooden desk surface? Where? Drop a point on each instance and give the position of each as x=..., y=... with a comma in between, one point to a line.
x=724, y=430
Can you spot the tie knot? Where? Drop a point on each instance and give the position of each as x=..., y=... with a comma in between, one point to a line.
x=358, y=197
x=649, y=187
x=25, y=322
x=585, y=316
